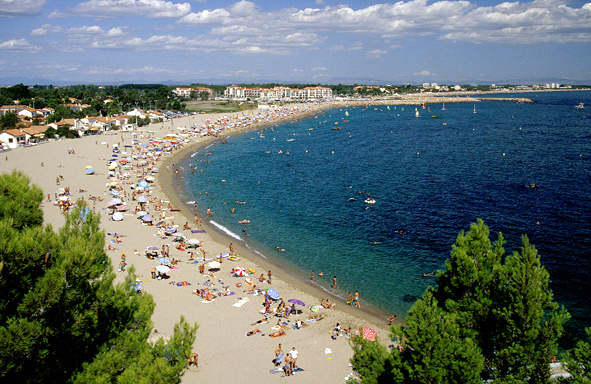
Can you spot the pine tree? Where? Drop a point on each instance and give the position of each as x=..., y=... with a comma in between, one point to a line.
x=60, y=313
x=578, y=361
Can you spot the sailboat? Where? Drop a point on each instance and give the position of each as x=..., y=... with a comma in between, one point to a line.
x=474, y=111
x=417, y=114
x=443, y=107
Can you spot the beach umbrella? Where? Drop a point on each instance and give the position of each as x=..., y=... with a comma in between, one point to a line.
x=214, y=265
x=164, y=261
x=113, y=166
x=142, y=199
x=273, y=294
x=61, y=191
x=117, y=216
x=114, y=202
x=150, y=179
x=141, y=213
x=194, y=241
x=162, y=269
x=89, y=171
x=170, y=230
x=143, y=184
x=239, y=271
x=147, y=219
x=369, y=333
x=296, y=301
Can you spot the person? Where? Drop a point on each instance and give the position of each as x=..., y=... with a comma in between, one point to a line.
x=326, y=303
x=334, y=282
x=293, y=354
x=269, y=276
x=231, y=247
x=287, y=366
x=428, y=274
x=278, y=350
x=262, y=278
x=153, y=273
x=194, y=360
x=391, y=319
x=356, y=300
x=312, y=275
x=320, y=274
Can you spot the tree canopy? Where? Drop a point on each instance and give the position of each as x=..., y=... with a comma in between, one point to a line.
x=62, y=319
x=491, y=316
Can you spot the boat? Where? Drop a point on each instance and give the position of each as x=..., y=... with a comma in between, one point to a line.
x=336, y=128
x=369, y=201
x=443, y=107
x=290, y=140
x=346, y=113
x=417, y=114
x=580, y=106
x=474, y=111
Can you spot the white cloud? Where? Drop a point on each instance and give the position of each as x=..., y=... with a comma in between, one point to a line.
x=424, y=72
x=55, y=14
x=147, y=8
x=86, y=29
x=319, y=69
x=18, y=45
x=115, y=31
x=508, y=22
x=376, y=53
x=45, y=29
x=20, y=7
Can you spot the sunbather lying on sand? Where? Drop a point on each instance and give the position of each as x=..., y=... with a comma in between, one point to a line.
x=327, y=304
x=253, y=332
x=280, y=332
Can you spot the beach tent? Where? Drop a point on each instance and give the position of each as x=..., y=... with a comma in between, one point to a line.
x=162, y=269
x=117, y=216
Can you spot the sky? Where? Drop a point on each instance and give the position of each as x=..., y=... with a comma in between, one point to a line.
x=312, y=41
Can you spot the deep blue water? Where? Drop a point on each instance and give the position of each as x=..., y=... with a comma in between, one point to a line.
x=430, y=176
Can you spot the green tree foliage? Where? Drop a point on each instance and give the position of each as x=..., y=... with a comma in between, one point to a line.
x=490, y=317
x=578, y=361
x=204, y=95
x=9, y=120
x=61, y=317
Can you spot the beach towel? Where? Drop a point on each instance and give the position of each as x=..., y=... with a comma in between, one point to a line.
x=275, y=370
x=197, y=230
x=240, y=303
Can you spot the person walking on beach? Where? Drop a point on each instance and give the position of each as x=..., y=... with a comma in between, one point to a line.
x=356, y=299
x=269, y=276
x=334, y=282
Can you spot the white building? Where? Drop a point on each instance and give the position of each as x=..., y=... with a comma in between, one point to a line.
x=11, y=138
x=278, y=93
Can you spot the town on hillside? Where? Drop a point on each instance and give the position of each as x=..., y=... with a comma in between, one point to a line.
x=32, y=114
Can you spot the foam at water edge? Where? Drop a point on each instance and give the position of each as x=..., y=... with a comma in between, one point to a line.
x=225, y=230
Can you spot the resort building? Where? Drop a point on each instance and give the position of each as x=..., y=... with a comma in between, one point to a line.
x=186, y=92
x=278, y=93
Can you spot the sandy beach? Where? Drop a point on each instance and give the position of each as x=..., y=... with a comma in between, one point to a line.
x=225, y=351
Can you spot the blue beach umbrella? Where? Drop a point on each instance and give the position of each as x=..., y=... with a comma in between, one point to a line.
x=89, y=171
x=273, y=294
x=164, y=261
x=147, y=218
x=143, y=184
x=142, y=199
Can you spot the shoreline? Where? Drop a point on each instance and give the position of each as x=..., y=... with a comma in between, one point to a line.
x=167, y=183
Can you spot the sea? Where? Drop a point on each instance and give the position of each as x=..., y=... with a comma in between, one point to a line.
x=376, y=196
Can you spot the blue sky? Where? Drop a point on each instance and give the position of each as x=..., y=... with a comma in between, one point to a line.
x=301, y=41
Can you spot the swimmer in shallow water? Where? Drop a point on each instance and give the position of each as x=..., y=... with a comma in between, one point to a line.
x=428, y=274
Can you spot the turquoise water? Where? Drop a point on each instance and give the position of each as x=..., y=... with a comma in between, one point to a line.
x=430, y=177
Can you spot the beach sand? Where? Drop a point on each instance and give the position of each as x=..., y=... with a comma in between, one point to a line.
x=226, y=354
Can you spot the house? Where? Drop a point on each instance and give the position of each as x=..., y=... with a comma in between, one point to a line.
x=12, y=138
x=26, y=112
x=36, y=132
